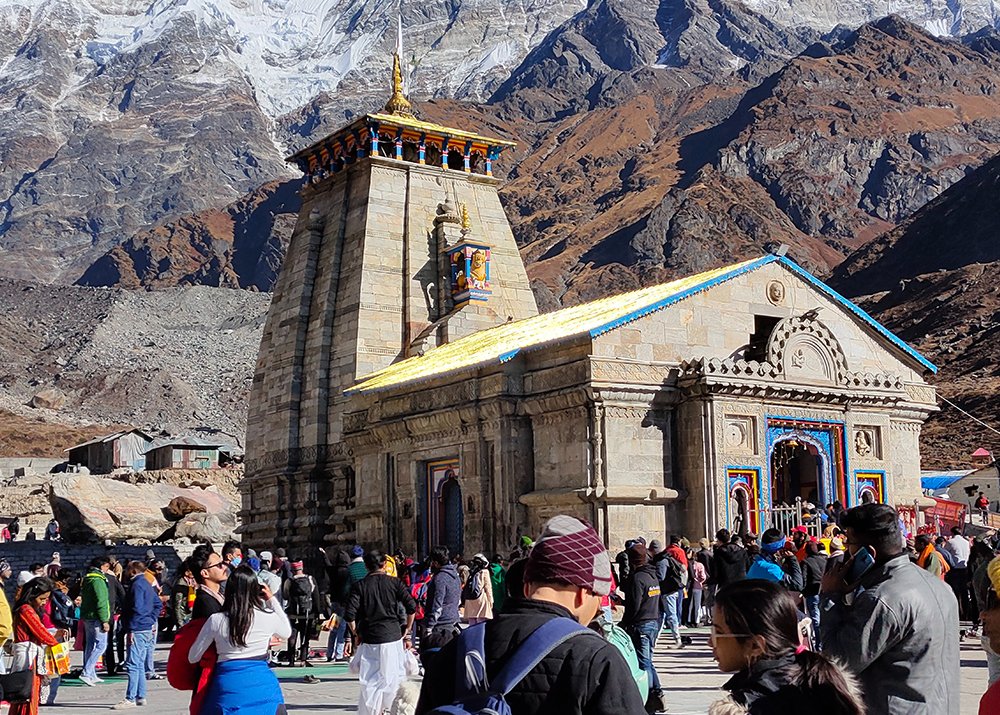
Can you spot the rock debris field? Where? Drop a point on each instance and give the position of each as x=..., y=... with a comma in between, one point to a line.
x=179, y=360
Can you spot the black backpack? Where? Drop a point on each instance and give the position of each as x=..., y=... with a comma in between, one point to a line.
x=62, y=608
x=473, y=588
x=300, y=594
x=677, y=575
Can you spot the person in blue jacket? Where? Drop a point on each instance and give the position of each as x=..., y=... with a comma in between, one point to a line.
x=777, y=562
x=139, y=618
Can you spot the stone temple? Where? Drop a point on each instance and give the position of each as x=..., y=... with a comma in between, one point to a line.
x=408, y=393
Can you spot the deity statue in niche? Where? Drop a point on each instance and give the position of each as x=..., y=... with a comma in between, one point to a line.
x=459, y=281
x=863, y=442
x=470, y=272
x=478, y=270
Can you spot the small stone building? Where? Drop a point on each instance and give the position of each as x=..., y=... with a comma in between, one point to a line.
x=407, y=393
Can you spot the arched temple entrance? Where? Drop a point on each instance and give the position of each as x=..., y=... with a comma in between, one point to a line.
x=796, y=472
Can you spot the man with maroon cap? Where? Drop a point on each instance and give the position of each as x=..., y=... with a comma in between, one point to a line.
x=567, y=573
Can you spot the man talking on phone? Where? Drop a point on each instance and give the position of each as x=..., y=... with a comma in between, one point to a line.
x=891, y=623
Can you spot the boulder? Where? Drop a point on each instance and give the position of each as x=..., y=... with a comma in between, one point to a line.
x=93, y=508
x=179, y=507
x=51, y=398
x=199, y=528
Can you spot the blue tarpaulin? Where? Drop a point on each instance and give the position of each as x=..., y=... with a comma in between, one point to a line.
x=941, y=480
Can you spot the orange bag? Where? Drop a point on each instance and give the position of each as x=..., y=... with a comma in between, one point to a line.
x=57, y=659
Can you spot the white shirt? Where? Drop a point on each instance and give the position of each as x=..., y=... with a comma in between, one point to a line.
x=265, y=624
x=959, y=547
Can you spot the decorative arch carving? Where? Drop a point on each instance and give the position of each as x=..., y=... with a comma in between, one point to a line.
x=802, y=346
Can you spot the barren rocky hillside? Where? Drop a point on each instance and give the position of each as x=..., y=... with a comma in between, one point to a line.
x=934, y=280
x=179, y=360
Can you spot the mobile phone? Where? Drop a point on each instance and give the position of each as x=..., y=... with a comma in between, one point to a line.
x=860, y=565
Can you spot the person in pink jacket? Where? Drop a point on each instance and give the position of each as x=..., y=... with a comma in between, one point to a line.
x=478, y=591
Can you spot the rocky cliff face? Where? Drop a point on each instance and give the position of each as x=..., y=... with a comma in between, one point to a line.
x=128, y=127
x=933, y=280
x=658, y=138
x=179, y=360
x=115, y=117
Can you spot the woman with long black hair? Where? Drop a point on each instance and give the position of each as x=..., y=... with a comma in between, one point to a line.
x=31, y=637
x=756, y=635
x=242, y=681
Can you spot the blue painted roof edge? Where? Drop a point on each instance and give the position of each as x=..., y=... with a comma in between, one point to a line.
x=509, y=355
x=856, y=310
x=661, y=304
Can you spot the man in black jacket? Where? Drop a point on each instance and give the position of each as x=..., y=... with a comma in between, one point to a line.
x=566, y=575
x=813, y=569
x=116, y=599
x=730, y=560
x=642, y=618
x=373, y=616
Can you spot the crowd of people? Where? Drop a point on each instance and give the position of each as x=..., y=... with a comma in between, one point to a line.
x=859, y=620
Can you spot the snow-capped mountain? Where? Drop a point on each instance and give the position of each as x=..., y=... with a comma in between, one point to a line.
x=118, y=115
x=291, y=50
x=939, y=17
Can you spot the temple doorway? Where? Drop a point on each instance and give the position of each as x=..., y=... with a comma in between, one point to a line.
x=796, y=469
x=440, y=508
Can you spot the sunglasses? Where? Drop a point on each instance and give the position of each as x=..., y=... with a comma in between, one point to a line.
x=221, y=563
x=714, y=635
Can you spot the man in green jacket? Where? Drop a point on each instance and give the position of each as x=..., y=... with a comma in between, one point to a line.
x=95, y=612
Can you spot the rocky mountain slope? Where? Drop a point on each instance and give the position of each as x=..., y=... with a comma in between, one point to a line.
x=118, y=116
x=118, y=120
x=144, y=148
x=631, y=174
x=179, y=360
x=933, y=280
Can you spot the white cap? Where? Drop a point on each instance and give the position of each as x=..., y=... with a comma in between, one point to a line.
x=24, y=577
x=265, y=556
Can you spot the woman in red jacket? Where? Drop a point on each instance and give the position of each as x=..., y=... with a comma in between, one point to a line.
x=31, y=636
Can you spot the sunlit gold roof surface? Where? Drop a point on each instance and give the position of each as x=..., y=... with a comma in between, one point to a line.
x=504, y=341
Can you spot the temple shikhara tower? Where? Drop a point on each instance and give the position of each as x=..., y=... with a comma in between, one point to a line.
x=408, y=393
x=401, y=244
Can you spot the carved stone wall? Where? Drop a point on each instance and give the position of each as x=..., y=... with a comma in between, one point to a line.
x=357, y=286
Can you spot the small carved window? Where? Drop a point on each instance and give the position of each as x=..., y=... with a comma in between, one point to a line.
x=763, y=326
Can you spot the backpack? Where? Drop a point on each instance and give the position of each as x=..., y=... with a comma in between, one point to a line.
x=623, y=642
x=62, y=609
x=300, y=594
x=473, y=588
x=677, y=575
x=419, y=593
x=473, y=694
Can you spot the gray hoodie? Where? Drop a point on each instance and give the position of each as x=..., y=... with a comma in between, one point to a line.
x=444, y=595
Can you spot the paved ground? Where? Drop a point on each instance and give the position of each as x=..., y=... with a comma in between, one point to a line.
x=690, y=678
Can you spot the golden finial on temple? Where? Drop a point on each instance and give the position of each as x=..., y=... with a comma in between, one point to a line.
x=398, y=103
x=466, y=224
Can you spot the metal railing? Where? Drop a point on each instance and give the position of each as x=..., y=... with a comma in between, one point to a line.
x=786, y=517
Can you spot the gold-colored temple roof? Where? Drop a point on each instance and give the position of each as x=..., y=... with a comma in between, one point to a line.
x=499, y=344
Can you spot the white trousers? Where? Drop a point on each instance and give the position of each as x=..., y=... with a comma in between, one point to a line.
x=381, y=670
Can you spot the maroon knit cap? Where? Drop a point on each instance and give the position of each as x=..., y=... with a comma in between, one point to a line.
x=570, y=551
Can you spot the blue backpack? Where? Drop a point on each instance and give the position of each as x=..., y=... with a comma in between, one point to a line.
x=473, y=694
